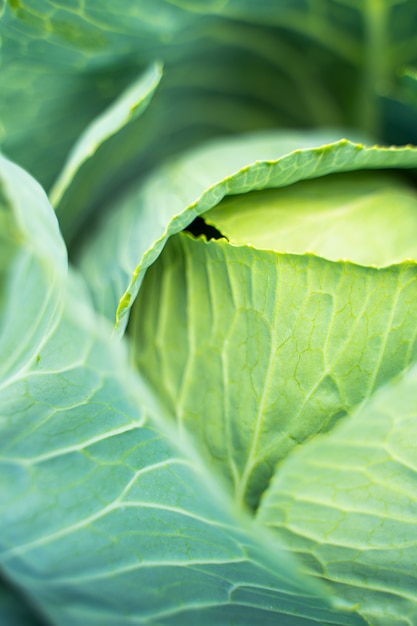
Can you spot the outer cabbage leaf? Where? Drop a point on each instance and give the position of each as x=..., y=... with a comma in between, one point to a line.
x=131, y=238
x=26, y=236
x=96, y=153
x=288, y=63
x=68, y=57
x=346, y=503
x=86, y=55
x=102, y=517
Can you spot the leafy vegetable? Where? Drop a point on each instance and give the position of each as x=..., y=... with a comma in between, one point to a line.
x=207, y=390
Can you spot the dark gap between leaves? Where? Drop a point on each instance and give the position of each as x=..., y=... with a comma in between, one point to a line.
x=199, y=227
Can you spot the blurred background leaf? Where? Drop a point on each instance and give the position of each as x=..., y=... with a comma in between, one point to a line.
x=230, y=67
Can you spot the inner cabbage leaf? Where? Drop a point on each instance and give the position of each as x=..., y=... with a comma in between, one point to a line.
x=366, y=217
x=255, y=351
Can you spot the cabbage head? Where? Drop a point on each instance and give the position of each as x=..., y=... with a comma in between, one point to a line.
x=208, y=313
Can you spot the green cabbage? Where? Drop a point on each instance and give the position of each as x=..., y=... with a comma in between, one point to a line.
x=208, y=407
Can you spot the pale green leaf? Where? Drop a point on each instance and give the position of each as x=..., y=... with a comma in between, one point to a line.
x=339, y=217
x=346, y=503
x=255, y=352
